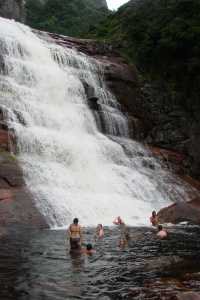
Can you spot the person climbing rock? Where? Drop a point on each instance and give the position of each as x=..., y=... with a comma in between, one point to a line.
x=154, y=219
x=75, y=235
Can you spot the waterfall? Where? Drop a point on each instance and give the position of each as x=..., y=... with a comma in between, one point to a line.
x=73, y=166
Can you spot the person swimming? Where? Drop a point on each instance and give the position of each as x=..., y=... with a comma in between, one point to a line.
x=154, y=218
x=75, y=235
x=162, y=233
x=88, y=250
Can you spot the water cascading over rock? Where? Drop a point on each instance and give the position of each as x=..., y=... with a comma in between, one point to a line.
x=76, y=161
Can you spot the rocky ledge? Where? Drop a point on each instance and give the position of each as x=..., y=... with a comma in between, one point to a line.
x=16, y=202
x=186, y=211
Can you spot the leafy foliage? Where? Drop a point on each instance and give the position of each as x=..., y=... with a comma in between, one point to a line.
x=162, y=37
x=67, y=17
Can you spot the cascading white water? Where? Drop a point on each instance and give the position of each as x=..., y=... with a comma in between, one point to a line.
x=72, y=169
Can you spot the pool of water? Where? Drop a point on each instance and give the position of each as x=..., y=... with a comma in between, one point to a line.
x=37, y=265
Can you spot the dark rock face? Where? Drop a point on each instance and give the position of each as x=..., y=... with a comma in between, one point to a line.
x=16, y=202
x=171, y=125
x=102, y=4
x=181, y=212
x=184, y=211
x=188, y=296
x=12, y=9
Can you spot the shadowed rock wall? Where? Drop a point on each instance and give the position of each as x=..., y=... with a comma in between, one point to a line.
x=16, y=202
x=12, y=9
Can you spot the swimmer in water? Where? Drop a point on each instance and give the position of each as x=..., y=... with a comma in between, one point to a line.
x=123, y=242
x=118, y=221
x=124, y=232
x=162, y=233
x=88, y=250
x=75, y=236
x=154, y=219
x=99, y=232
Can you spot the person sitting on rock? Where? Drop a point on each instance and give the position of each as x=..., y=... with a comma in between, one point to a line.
x=162, y=233
x=154, y=219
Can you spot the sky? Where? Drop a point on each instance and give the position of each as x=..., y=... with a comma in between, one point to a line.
x=114, y=4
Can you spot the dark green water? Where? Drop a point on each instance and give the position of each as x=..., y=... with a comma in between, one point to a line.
x=36, y=265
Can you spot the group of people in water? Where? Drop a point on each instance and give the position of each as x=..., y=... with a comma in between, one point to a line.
x=76, y=238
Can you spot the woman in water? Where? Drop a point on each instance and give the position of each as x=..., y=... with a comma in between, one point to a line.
x=154, y=219
x=75, y=236
x=99, y=232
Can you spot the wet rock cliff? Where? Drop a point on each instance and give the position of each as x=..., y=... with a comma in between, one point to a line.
x=13, y=9
x=16, y=202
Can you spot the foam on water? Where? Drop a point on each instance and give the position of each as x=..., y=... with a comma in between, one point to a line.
x=71, y=168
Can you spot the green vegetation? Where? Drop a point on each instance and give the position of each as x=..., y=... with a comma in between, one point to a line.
x=67, y=17
x=163, y=38
x=7, y=156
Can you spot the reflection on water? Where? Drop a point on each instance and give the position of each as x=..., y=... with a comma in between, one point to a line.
x=37, y=265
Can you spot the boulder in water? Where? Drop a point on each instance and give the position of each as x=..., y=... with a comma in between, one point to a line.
x=181, y=212
x=188, y=296
x=16, y=202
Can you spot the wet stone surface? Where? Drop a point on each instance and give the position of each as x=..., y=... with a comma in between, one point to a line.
x=37, y=265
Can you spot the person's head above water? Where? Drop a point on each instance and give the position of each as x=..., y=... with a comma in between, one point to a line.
x=160, y=227
x=118, y=221
x=75, y=221
x=89, y=247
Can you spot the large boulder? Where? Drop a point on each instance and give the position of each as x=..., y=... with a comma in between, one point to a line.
x=188, y=296
x=16, y=202
x=185, y=211
x=181, y=212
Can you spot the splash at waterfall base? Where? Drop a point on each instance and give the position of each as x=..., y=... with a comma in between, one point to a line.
x=72, y=159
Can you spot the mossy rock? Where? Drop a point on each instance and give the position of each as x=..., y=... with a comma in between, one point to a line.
x=6, y=156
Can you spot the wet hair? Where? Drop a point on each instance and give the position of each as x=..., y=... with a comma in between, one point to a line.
x=160, y=227
x=75, y=221
x=89, y=247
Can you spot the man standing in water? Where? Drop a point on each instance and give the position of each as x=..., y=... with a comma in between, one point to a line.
x=75, y=236
x=124, y=232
